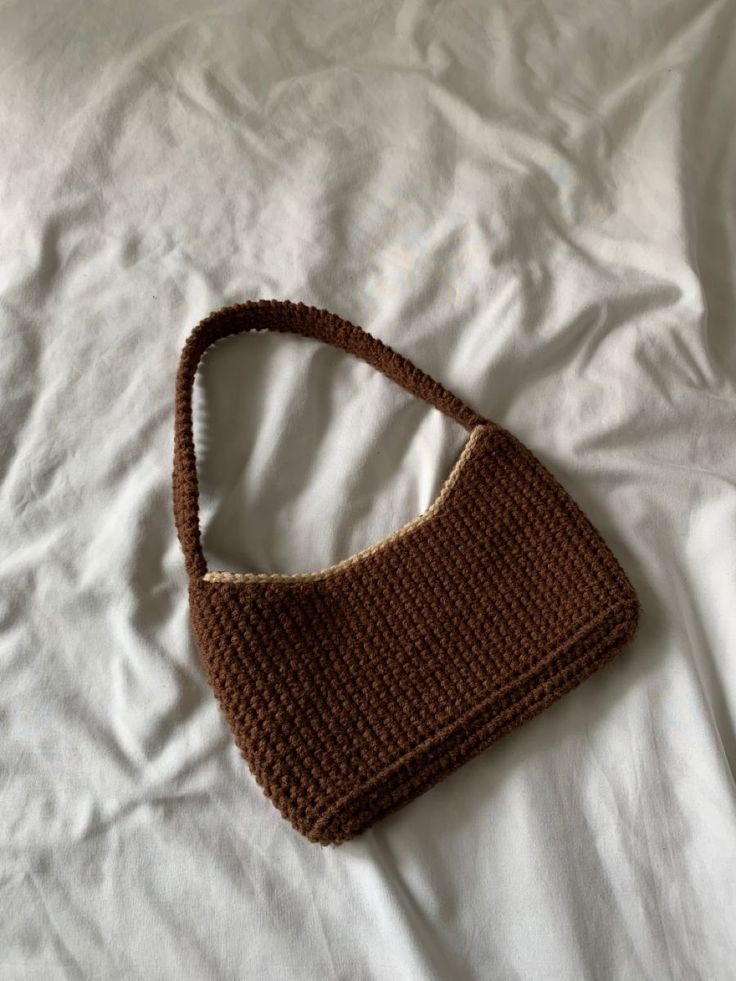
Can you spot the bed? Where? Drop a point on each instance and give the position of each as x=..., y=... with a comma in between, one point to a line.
x=536, y=204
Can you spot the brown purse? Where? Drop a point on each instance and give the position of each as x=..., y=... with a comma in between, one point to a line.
x=352, y=690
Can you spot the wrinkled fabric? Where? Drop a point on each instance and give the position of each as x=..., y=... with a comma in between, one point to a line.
x=536, y=204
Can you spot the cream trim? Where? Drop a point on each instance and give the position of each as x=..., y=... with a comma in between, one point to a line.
x=371, y=549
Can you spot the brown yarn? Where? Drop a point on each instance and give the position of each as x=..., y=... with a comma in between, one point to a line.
x=352, y=690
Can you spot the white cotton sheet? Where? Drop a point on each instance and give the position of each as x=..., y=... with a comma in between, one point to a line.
x=535, y=202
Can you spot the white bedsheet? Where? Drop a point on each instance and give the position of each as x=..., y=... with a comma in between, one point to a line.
x=536, y=203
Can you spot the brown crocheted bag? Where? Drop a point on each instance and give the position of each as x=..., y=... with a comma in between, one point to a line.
x=352, y=690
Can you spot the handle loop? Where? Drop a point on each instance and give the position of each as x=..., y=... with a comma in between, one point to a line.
x=285, y=317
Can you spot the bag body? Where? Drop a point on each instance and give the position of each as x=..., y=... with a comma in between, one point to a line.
x=352, y=690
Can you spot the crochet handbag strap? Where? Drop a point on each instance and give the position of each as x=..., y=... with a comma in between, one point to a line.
x=285, y=317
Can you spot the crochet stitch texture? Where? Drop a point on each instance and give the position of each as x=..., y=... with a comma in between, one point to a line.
x=352, y=690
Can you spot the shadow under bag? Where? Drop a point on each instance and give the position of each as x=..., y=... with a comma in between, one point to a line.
x=352, y=690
